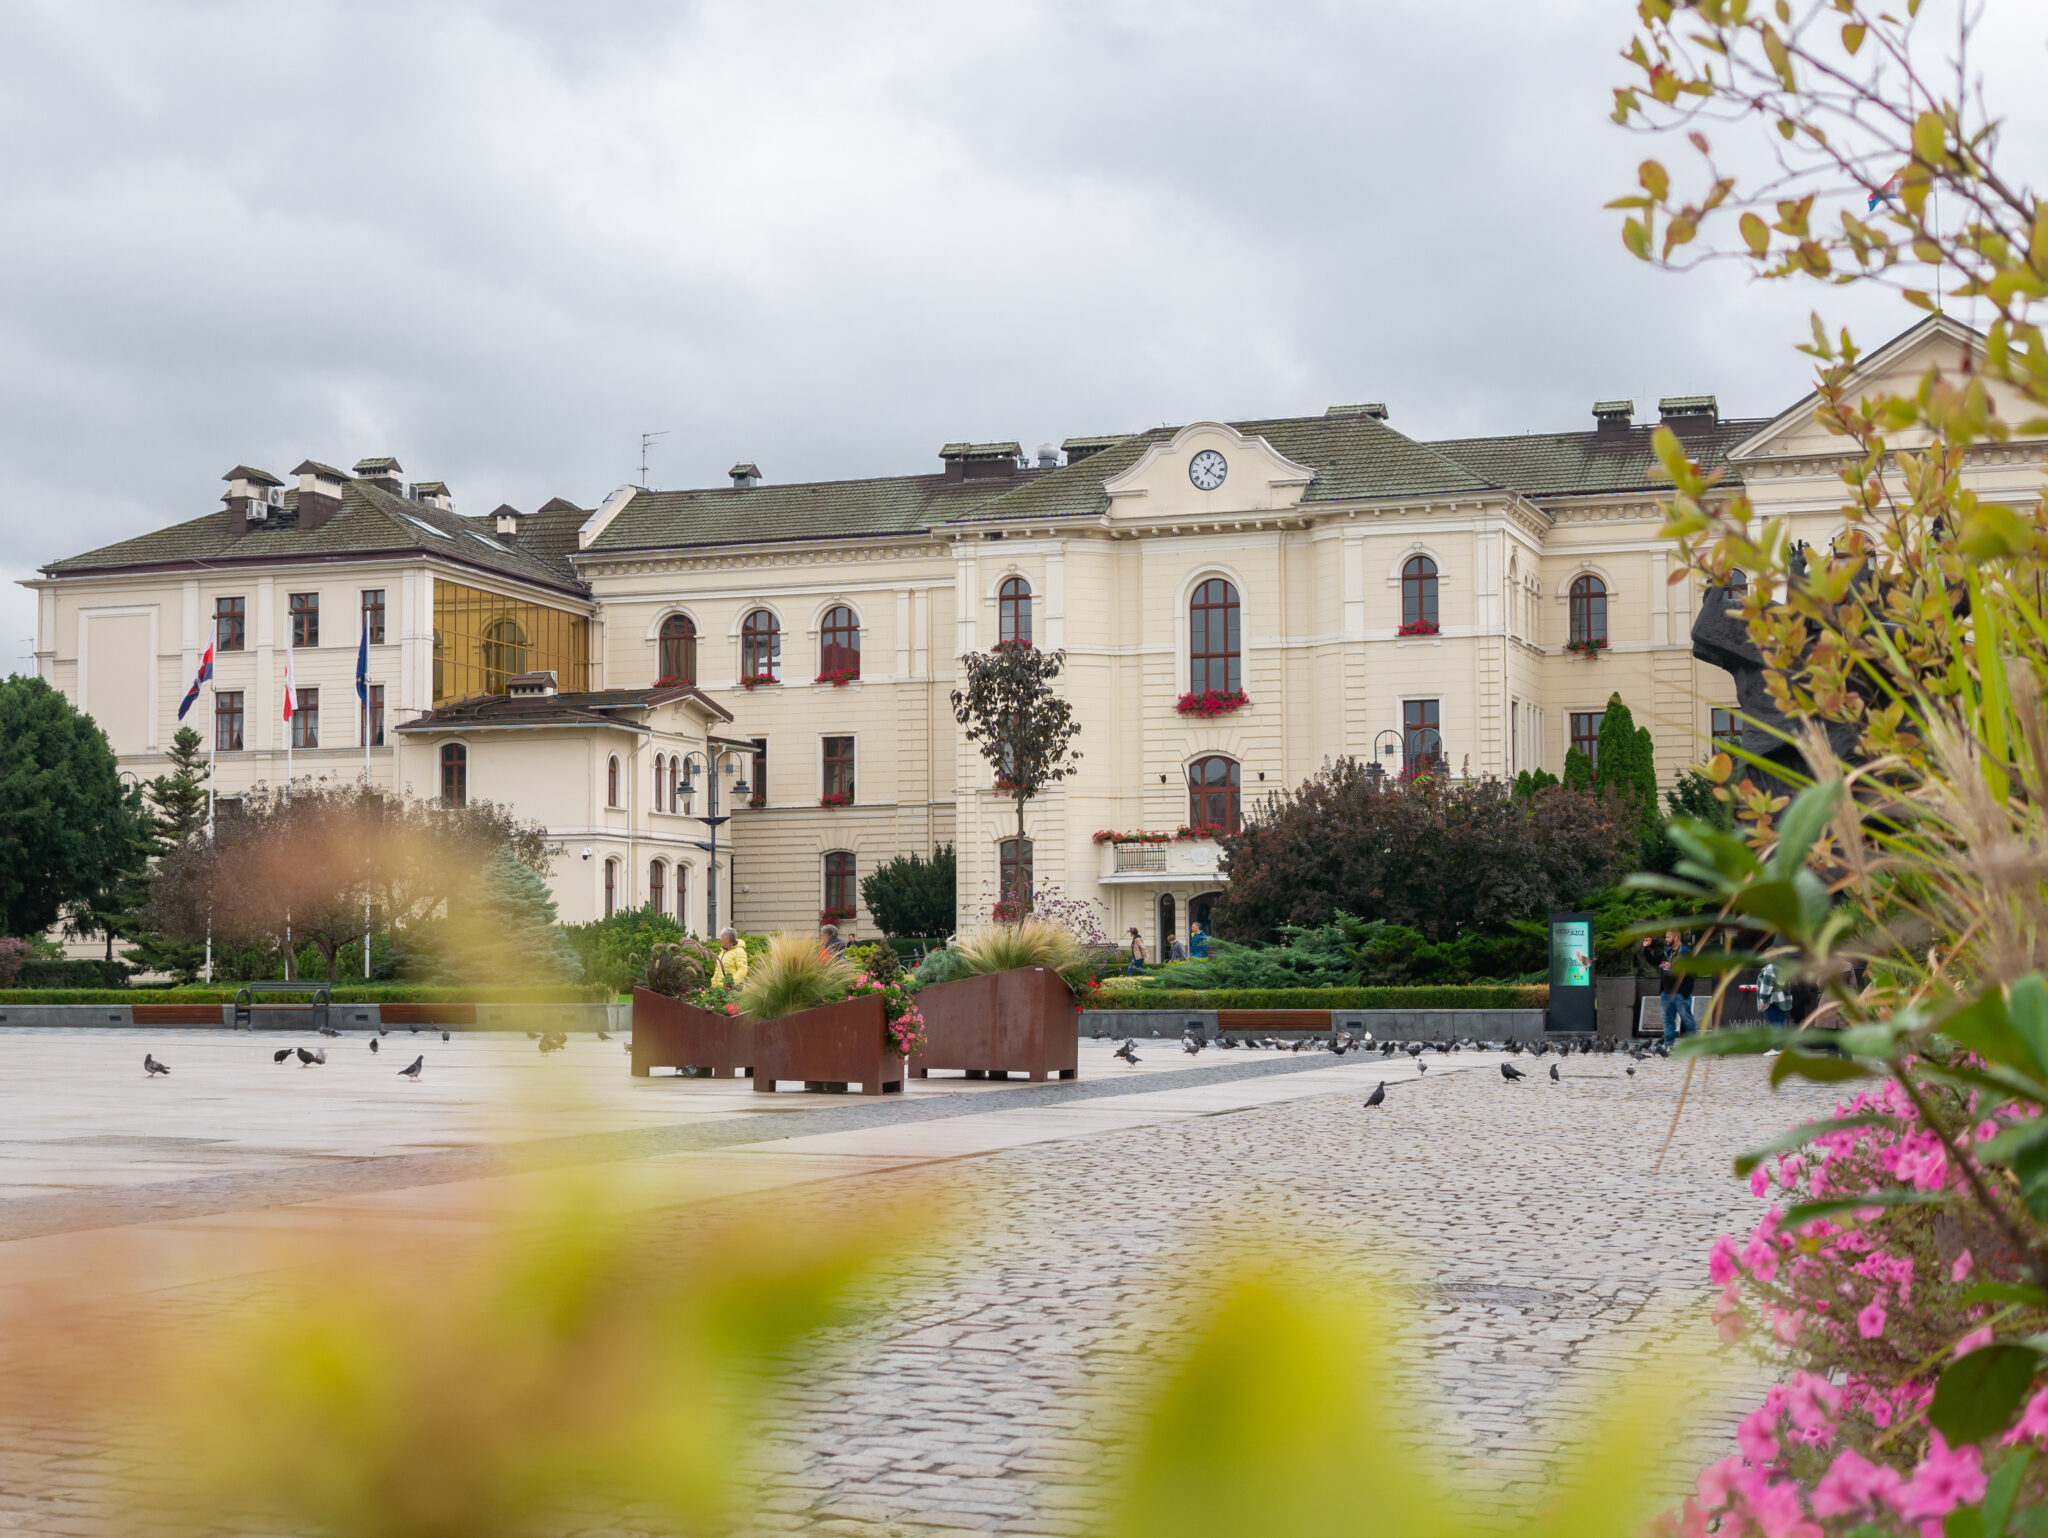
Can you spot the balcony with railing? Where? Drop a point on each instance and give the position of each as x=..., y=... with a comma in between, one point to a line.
x=1137, y=861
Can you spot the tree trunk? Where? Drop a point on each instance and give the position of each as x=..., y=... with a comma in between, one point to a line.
x=1023, y=893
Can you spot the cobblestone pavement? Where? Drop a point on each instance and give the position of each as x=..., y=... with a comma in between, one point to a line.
x=1535, y=1251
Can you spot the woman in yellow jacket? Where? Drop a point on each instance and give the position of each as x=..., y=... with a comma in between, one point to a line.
x=731, y=971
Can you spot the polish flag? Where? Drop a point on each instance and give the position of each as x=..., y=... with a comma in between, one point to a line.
x=291, y=690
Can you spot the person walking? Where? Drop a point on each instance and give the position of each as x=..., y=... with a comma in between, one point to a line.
x=731, y=971
x=1198, y=941
x=1674, y=996
x=1772, y=995
x=1175, y=951
x=1137, y=954
x=833, y=944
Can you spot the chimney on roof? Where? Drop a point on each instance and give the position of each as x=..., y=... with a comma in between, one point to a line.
x=385, y=474
x=254, y=496
x=1685, y=414
x=1613, y=416
x=320, y=488
x=434, y=494
x=1048, y=456
x=531, y=686
x=744, y=474
x=506, y=517
x=1377, y=410
x=981, y=461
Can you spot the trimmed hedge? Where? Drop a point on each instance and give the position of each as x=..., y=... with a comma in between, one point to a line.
x=41, y=973
x=374, y=993
x=1505, y=996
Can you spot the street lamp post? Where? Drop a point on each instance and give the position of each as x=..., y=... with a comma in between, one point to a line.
x=724, y=759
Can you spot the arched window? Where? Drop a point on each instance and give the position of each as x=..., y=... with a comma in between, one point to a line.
x=1013, y=859
x=454, y=774
x=839, y=641
x=677, y=662
x=1213, y=639
x=1013, y=610
x=1589, y=609
x=504, y=654
x=657, y=886
x=611, y=782
x=839, y=885
x=1418, y=591
x=675, y=783
x=1213, y=793
x=611, y=887
x=761, y=647
x=660, y=771
x=683, y=895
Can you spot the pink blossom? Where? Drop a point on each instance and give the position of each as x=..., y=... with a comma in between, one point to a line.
x=1717, y=1482
x=1721, y=1264
x=1870, y=1323
x=1854, y=1484
x=2033, y=1422
x=1943, y=1481
x=1972, y=1341
x=1727, y=1315
x=1777, y=1511
x=1755, y=1436
x=1759, y=1181
x=1960, y=1271
x=1813, y=1401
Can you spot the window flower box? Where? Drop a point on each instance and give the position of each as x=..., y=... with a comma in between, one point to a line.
x=1418, y=627
x=834, y=915
x=838, y=678
x=836, y=798
x=759, y=681
x=1212, y=702
x=1184, y=834
x=1024, y=1021
x=1587, y=646
x=671, y=1033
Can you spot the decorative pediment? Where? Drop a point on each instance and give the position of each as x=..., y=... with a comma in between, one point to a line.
x=1207, y=469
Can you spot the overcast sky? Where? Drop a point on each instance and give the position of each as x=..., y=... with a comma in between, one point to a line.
x=502, y=241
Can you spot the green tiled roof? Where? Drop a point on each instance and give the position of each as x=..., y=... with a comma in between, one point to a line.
x=726, y=515
x=1582, y=463
x=369, y=521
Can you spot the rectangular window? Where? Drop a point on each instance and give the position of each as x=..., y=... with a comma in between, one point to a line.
x=482, y=640
x=840, y=885
x=1422, y=742
x=227, y=720
x=305, y=611
x=760, y=785
x=373, y=718
x=839, y=768
x=455, y=784
x=1514, y=736
x=1727, y=730
x=306, y=720
x=1586, y=734
x=373, y=614
x=230, y=616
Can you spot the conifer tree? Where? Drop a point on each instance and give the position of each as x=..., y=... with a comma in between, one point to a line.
x=504, y=928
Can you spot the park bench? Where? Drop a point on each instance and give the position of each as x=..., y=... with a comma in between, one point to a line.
x=244, y=1013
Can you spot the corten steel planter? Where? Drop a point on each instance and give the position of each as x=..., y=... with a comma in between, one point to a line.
x=1020, y=1021
x=667, y=1033
x=838, y=1045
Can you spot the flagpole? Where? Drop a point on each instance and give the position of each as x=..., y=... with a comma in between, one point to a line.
x=363, y=689
x=212, y=753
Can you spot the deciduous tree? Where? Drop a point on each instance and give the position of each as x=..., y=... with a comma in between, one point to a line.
x=66, y=827
x=1016, y=720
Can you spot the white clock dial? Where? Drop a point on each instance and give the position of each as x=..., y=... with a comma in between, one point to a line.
x=1207, y=470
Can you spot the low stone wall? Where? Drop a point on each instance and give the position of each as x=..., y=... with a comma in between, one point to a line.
x=1383, y=1024
x=347, y=1017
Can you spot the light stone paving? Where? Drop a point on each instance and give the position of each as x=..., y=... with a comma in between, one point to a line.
x=1534, y=1250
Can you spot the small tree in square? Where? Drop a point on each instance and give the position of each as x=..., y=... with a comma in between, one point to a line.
x=1016, y=721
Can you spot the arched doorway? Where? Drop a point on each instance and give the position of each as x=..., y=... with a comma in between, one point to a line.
x=1199, y=909
x=1166, y=926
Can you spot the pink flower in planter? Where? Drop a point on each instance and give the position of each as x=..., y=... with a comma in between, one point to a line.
x=2033, y=1422
x=1717, y=1482
x=1721, y=1265
x=1813, y=1401
x=1854, y=1484
x=1756, y=1436
x=1972, y=1341
x=1870, y=1323
x=1960, y=1271
x=1944, y=1481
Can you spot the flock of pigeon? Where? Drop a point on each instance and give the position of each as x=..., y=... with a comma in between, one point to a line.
x=550, y=1041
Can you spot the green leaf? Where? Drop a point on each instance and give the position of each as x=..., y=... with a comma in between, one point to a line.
x=1749, y=1041
x=1964, y=1522
x=2027, y=1009
x=1756, y=233
x=1985, y=1028
x=1804, y=821
x=1821, y=1067
x=2002, y=1488
x=1799, y=1137
x=1807, y=1212
x=2004, y=1292
x=1990, y=531
x=1976, y=1394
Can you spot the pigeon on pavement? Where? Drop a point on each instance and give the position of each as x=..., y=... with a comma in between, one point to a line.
x=1128, y=1052
x=1378, y=1096
x=151, y=1066
x=1553, y=1074
x=328, y=1030
x=373, y=1044
x=1421, y=1067
x=1192, y=1045
x=309, y=1059
x=1511, y=1073
x=412, y=1069
x=281, y=1054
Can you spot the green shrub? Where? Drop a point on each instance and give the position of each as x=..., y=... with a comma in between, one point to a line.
x=1499, y=996
x=1309, y=958
x=1388, y=955
x=387, y=993
x=911, y=895
x=942, y=965
x=797, y=973
x=40, y=973
x=678, y=968
x=614, y=951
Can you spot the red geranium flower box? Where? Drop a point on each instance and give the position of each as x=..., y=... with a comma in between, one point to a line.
x=838, y=678
x=1212, y=702
x=1418, y=627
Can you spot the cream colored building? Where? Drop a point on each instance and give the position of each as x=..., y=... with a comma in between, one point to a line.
x=810, y=632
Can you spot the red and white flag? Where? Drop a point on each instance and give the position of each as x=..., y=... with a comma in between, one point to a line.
x=291, y=690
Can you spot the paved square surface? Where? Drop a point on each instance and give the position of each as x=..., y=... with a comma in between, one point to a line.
x=1534, y=1250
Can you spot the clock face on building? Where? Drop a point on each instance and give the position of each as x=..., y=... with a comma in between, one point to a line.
x=1207, y=470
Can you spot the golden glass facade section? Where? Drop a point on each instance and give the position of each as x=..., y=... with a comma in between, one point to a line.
x=483, y=639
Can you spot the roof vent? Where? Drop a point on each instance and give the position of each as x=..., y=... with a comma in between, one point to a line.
x=384, y=474
x=1078, y=449
x=434, y=494
x=320, y=489
x=506, y=517
x=745, y=474
x=1614, y=416
x=1689, y=413
x=1048, y=456
x=253, y=494
x=1377, y=410
x=981, y=461
x=531, y=686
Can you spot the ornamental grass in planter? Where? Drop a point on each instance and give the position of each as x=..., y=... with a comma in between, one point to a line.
x=815, y=1018
x=1011, y=1006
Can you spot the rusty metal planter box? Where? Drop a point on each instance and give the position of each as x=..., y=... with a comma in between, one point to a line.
x=667, y=1033
x=1020, y=1021
x=839, y=1045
